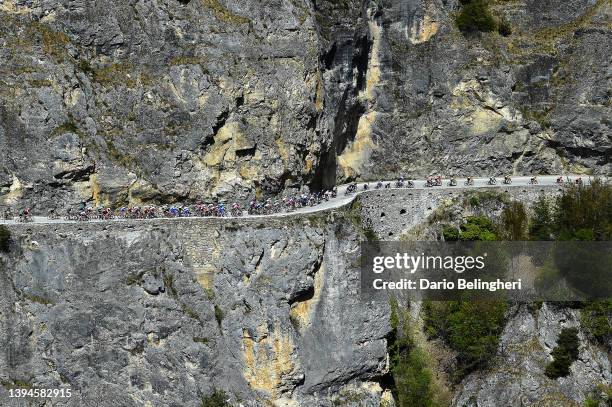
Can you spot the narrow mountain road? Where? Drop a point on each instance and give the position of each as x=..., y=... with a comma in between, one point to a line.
x=342, y=199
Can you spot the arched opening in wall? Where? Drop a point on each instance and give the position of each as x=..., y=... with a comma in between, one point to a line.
x=402, y=211
x=390, y=233
x=184, y=2
x=429, y=208
x=382, y=214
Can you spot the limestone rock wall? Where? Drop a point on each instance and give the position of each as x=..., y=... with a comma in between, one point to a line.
x=518, y=374
x=160, y=313
x=160, y=101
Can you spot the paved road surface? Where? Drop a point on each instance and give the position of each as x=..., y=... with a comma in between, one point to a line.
x=342, y=199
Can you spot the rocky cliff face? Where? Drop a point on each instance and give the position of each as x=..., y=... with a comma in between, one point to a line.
x=160, y=313
x=157, y=101
x=484, y=103
x=161, y=101
x=518, y=378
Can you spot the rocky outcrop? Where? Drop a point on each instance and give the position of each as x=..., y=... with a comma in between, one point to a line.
x=467, y=104
x=156, y=101
x=517, y=376
x=152, y=102
x=160, y=313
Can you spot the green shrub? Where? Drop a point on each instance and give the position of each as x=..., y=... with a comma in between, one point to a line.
x=410, y=366
x=67, y=127
x=580, y=213
x=584, y=212
x=471, y=328
x=564, y=354
x=223, y=14
x=602, y=395
x=541, y=222
x=475, y=16
x=5, y=239
x=504, y=28
x=413, y=379
x=219, y=314
x=450, y=233
x=218, y=398
x=370, y=234
x=595, y=320
x=514, y=220
x=591, y=403
x=478, y=228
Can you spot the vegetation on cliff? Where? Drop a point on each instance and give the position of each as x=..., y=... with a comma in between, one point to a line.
x=514, y=221
x=5, y=239
x=540, y=224
x=595, y=321
x=217, y=398
x=475, y=16
x=410, y=364
x=564, y=354
x=601, y=397
x=579, y=213
x=478, y=228
x=471, y=328
x=584, y=212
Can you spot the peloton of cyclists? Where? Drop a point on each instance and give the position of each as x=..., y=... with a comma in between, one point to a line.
x=268, y=206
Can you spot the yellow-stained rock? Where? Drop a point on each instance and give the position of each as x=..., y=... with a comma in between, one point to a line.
x=577, y=168
x=140, y=191
x=248, y=172
x=357, y=153
x=309, y=164
x=484, y=121
x=268, y=360
x=301, y=312
x=97, y=196
x=227, y=140
x=373, y=73
x=205, y=276
x=10, y=7
x=282, y=150
x=386, y=399
x=423, y=31
x=15, y=192
x=320, y=93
